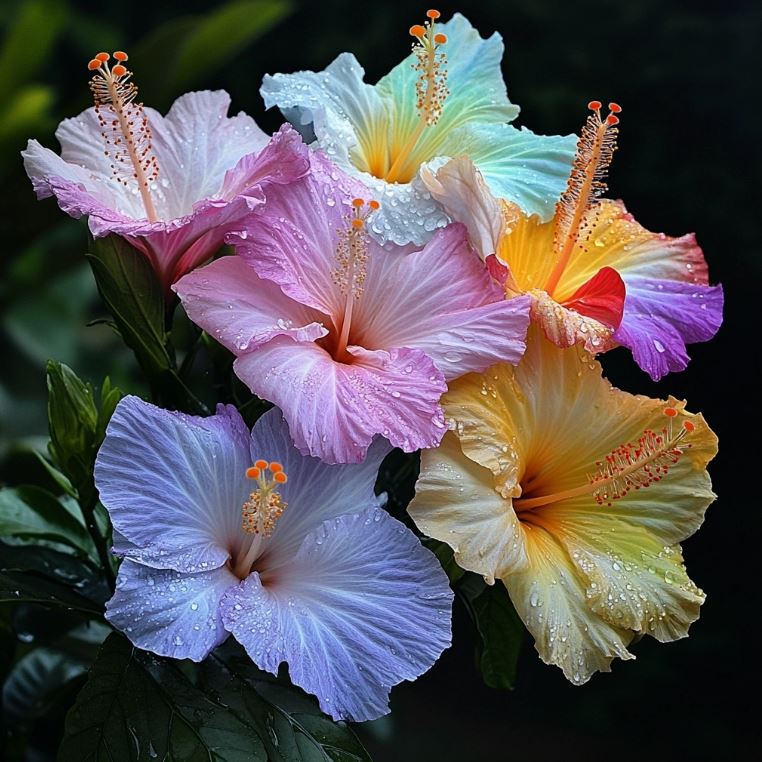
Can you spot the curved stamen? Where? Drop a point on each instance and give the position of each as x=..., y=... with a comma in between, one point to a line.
x=126, y=132
x=587, y=181
x=631, y=465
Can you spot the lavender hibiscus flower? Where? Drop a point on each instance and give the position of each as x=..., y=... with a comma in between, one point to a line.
x=172, y=186
x=351, y=340
x=297, y=559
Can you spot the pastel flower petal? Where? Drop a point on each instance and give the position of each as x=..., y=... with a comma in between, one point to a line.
x=487, y=538
x=633, y=580
x=334, y=409
x=315, y=491
x=362, y=607
x=229, y=301
x=293, y=240
x=442, y=301
x=170, y=613
x=662, y=316
x=550, y=599
x=184, y=472
x=528, y=169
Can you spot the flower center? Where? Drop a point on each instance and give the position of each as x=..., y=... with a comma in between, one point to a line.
x=430, y=92
x=635, y=465
x=260, y=513
x=351, y=268
x=124, y=126
x=587, y=181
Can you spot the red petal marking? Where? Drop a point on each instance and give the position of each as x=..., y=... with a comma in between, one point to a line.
x=601, y=298
x=496, y=269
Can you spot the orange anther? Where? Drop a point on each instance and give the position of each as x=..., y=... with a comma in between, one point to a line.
x=119, y=70
x=120, y=55
x=594, y=105
x=440, y=38
x=275, y=467
x=253, y=472
x=433, y=14
x=417, y=30
x=688, y=426
x=374, y=204
x=261, y=464
x=670, y=412
x=94, y=64
x=615, y=108
x=357, y=203
x=280, y=477
x=611, y=119
x=103, y=57
x=357, y=224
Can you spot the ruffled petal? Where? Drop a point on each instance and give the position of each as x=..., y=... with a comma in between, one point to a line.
x=550, y=599
x=662, y=316
x=362, y=607
x=442, y=301
x=230, y=302
x=335, y=409
x=528, y=169
x=456, y=502
x=196, y=144
x=169, y=613
x=314, y=491
x=188, y=474
x=293, y=239
x=632, y=580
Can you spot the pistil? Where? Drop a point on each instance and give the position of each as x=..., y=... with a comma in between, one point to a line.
x=631, y=465
x=595, y=149
x=260, y=512
x=128, y=136
x=430, y=89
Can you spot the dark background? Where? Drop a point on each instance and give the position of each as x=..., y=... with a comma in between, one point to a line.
x=687, y=76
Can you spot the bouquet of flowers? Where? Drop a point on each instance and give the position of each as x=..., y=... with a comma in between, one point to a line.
x=369, y=347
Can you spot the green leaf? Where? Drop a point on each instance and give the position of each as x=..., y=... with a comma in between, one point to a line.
x=33, y=574
x=500, y=629
x=29, y=512
x=139, y=706
x=446, y=557
x=131, y=291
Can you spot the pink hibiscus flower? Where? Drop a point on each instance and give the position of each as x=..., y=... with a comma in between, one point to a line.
x=349, y=339
x=172, y=186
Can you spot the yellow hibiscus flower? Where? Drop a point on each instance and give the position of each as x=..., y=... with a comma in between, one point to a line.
x=576, y=495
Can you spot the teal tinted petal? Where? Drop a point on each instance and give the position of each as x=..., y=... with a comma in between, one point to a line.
x=530, y=170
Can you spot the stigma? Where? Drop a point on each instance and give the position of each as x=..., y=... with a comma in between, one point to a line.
x=124, y=126
x=587, y=181
x=264, y=506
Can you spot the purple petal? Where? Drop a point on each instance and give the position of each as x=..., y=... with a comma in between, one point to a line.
x=169, y=613
x=314, y=491
x=662, y=316
x=442, y=301
x=362, y=607
x=230, y=302
x=174, y=484
x=293, y=240
x=335, y=409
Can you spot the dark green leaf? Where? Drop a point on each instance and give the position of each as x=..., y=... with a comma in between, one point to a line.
x=28, y=512
x=500, y=629
x=131, y=291
x=446, y=558
x=135, y=706
x=33, y=574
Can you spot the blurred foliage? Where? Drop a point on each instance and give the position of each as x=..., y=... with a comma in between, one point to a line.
x=689, y=160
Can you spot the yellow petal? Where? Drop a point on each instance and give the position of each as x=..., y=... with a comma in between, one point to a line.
x=550, y=599
x=456, y=503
